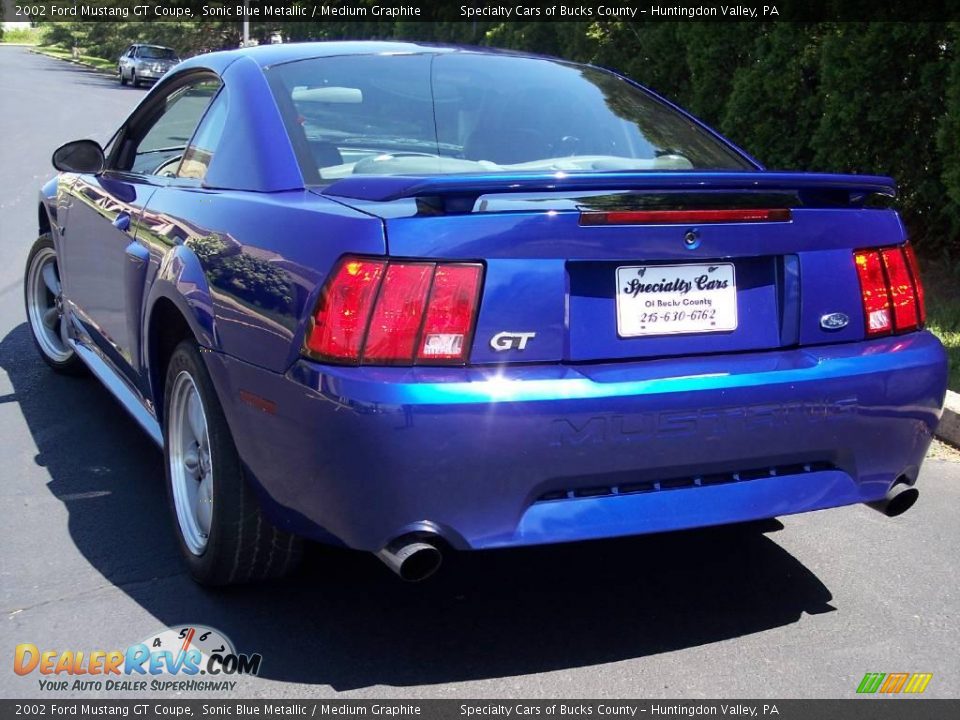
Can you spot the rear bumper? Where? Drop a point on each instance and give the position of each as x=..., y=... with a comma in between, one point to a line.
x=521, y=455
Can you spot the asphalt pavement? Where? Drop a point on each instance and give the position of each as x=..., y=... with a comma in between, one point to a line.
x=801, y=608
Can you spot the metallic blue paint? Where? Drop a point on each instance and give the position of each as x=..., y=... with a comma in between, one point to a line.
x=364, y=454
x=255, y=154
x=360, y=455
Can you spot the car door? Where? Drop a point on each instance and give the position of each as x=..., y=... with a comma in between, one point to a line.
x=126, y=61
x=105, y=263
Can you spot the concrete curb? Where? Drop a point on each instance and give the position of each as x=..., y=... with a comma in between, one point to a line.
x=949, y=429
x=73, y=61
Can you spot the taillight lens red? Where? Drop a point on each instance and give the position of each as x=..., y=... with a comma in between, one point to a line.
x=902, y=294
x=917, y=283
x=380, y=312
x=398, y=315
x=340, y=320
x=449, y=322
x=891, y=290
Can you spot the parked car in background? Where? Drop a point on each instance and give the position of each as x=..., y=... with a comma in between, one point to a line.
x=406, y=298
x=145, y=63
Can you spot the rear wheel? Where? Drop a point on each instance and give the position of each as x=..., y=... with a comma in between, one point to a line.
x=123, y=78
x=46, y=312
x=221, y=529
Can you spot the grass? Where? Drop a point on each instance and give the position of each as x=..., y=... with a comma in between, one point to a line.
x=943, y=311
x=88, y=60
x=22, y=36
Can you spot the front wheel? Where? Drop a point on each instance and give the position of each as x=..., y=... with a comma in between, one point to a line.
x=222, y=532
x=133, y=78
x=46, y=312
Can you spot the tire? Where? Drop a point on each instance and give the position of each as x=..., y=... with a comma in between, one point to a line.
x=133, y=78
x=231, y=542
x=43, y=302
x=123, y=78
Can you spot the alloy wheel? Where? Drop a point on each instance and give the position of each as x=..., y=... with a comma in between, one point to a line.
x=45, y=306
x=191, y=467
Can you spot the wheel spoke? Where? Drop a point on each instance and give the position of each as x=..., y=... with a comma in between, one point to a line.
x=50, y=318
x=64, y=335
x=204, y=507
x=195, y=418
x=50, y=278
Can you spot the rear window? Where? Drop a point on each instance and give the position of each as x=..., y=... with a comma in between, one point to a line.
x=157, y=53
x=470, y=113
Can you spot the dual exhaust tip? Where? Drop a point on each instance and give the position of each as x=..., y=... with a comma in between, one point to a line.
x=900, y=498
x=414, y=557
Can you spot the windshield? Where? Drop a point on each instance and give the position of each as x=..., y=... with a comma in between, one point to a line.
x=469, y=113
x=157, y=53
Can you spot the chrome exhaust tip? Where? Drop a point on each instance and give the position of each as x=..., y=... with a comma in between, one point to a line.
x=899, y=499
x=411, y=558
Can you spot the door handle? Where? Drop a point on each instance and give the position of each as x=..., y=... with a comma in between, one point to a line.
x=122, y=222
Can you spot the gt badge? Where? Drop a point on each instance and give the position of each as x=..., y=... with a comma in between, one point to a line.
x=511, y=340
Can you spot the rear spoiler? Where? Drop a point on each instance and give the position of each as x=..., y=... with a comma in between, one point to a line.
x=384, y=188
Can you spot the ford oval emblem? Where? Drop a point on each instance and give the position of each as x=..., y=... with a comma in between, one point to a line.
x=834, y=321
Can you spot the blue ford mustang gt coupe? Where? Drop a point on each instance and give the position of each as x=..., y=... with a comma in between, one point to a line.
x=406, y=298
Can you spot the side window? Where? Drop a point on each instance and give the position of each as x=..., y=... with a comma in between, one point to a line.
x=159, y=148
x=199, y=154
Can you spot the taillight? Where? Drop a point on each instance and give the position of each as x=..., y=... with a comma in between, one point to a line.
x=343, y=310
x=890, y=289
x=379, y=312
x=398, y=315
x=902, y=294
x=917, y=283
x=450, y=312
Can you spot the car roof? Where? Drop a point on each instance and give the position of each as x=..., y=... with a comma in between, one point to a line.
x=268, y=55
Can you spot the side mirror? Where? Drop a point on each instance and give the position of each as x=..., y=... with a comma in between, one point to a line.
x=79, y=156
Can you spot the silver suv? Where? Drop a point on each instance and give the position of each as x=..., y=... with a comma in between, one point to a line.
x=145, y=63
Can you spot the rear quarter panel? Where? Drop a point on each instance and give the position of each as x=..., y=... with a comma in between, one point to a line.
x=261, y=257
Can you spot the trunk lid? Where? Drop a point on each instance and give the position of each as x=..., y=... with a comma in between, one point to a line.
x=581, y=292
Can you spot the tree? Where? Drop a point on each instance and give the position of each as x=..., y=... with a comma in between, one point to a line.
x=948, y=137
x=882, y=99
x=773, y=109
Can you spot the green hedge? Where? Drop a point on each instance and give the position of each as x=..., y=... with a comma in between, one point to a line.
x=847, y=97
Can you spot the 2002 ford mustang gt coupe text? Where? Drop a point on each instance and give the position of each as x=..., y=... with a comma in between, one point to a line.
x=406, y=298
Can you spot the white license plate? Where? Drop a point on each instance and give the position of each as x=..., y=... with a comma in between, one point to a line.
x=674, y=299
